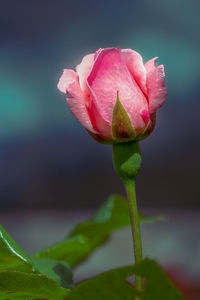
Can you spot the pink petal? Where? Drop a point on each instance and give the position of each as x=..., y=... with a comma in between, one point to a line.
x=136, y=67
x=80, y=112
x=69, y=84
x=155, y=85
x=99, y=124
x=110, y=74
x=83, y=70
x=145, y=116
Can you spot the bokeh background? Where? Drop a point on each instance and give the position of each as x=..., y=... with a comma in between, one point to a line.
x=48, y=162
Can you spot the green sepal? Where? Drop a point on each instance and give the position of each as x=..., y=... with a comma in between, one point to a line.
x=122, y=129
x=127, y=159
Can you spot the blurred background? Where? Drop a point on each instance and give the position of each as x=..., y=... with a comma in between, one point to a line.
x=48, y=162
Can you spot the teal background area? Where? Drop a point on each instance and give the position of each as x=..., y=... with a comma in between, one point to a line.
x=46, y=158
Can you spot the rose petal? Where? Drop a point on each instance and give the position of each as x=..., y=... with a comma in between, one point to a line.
x=69, y=84
x=155, y=85
x=99, y=124
x=145, y=116
x=83, y=70
x=80, y=112
x=136, y=67
x=110, y=74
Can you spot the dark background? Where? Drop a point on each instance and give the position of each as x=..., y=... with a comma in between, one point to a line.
x=52, y=174
x=47, y=160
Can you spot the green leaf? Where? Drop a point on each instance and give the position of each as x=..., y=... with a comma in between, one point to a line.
x=115, y=210
x=70, y=250
x=158, y=285
x=60, y=271
x=127, y=160
x=18, y=296
x=113, y=215
x=151, y=218
x=35, y=285
x=12, y=256
x=113, y=285
x=122, y=129
x=89, y=235
x=108, y=285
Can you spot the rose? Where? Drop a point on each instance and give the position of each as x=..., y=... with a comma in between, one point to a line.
x=114, y=95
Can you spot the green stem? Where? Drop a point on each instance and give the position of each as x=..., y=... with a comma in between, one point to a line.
x=135, y=227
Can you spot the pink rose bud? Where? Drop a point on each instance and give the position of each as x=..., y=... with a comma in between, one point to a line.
x=114, y=95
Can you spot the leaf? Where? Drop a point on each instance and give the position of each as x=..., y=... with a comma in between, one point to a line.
x=108, y=285
x=14, y=259
x=113, y=285
x=151, y=218
x=60, y=271
x=113, y=215
x=69, y=250
x=18, y=296
x=12, y=256
x=158, y=285
x=115, y=210
x=89, y=235
x=30, y=284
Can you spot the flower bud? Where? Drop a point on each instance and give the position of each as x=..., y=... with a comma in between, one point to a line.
x=114, y=95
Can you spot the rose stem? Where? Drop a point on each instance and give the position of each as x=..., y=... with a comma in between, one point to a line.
x=135, y=227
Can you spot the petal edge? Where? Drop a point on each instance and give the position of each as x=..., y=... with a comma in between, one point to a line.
x=156, y=88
